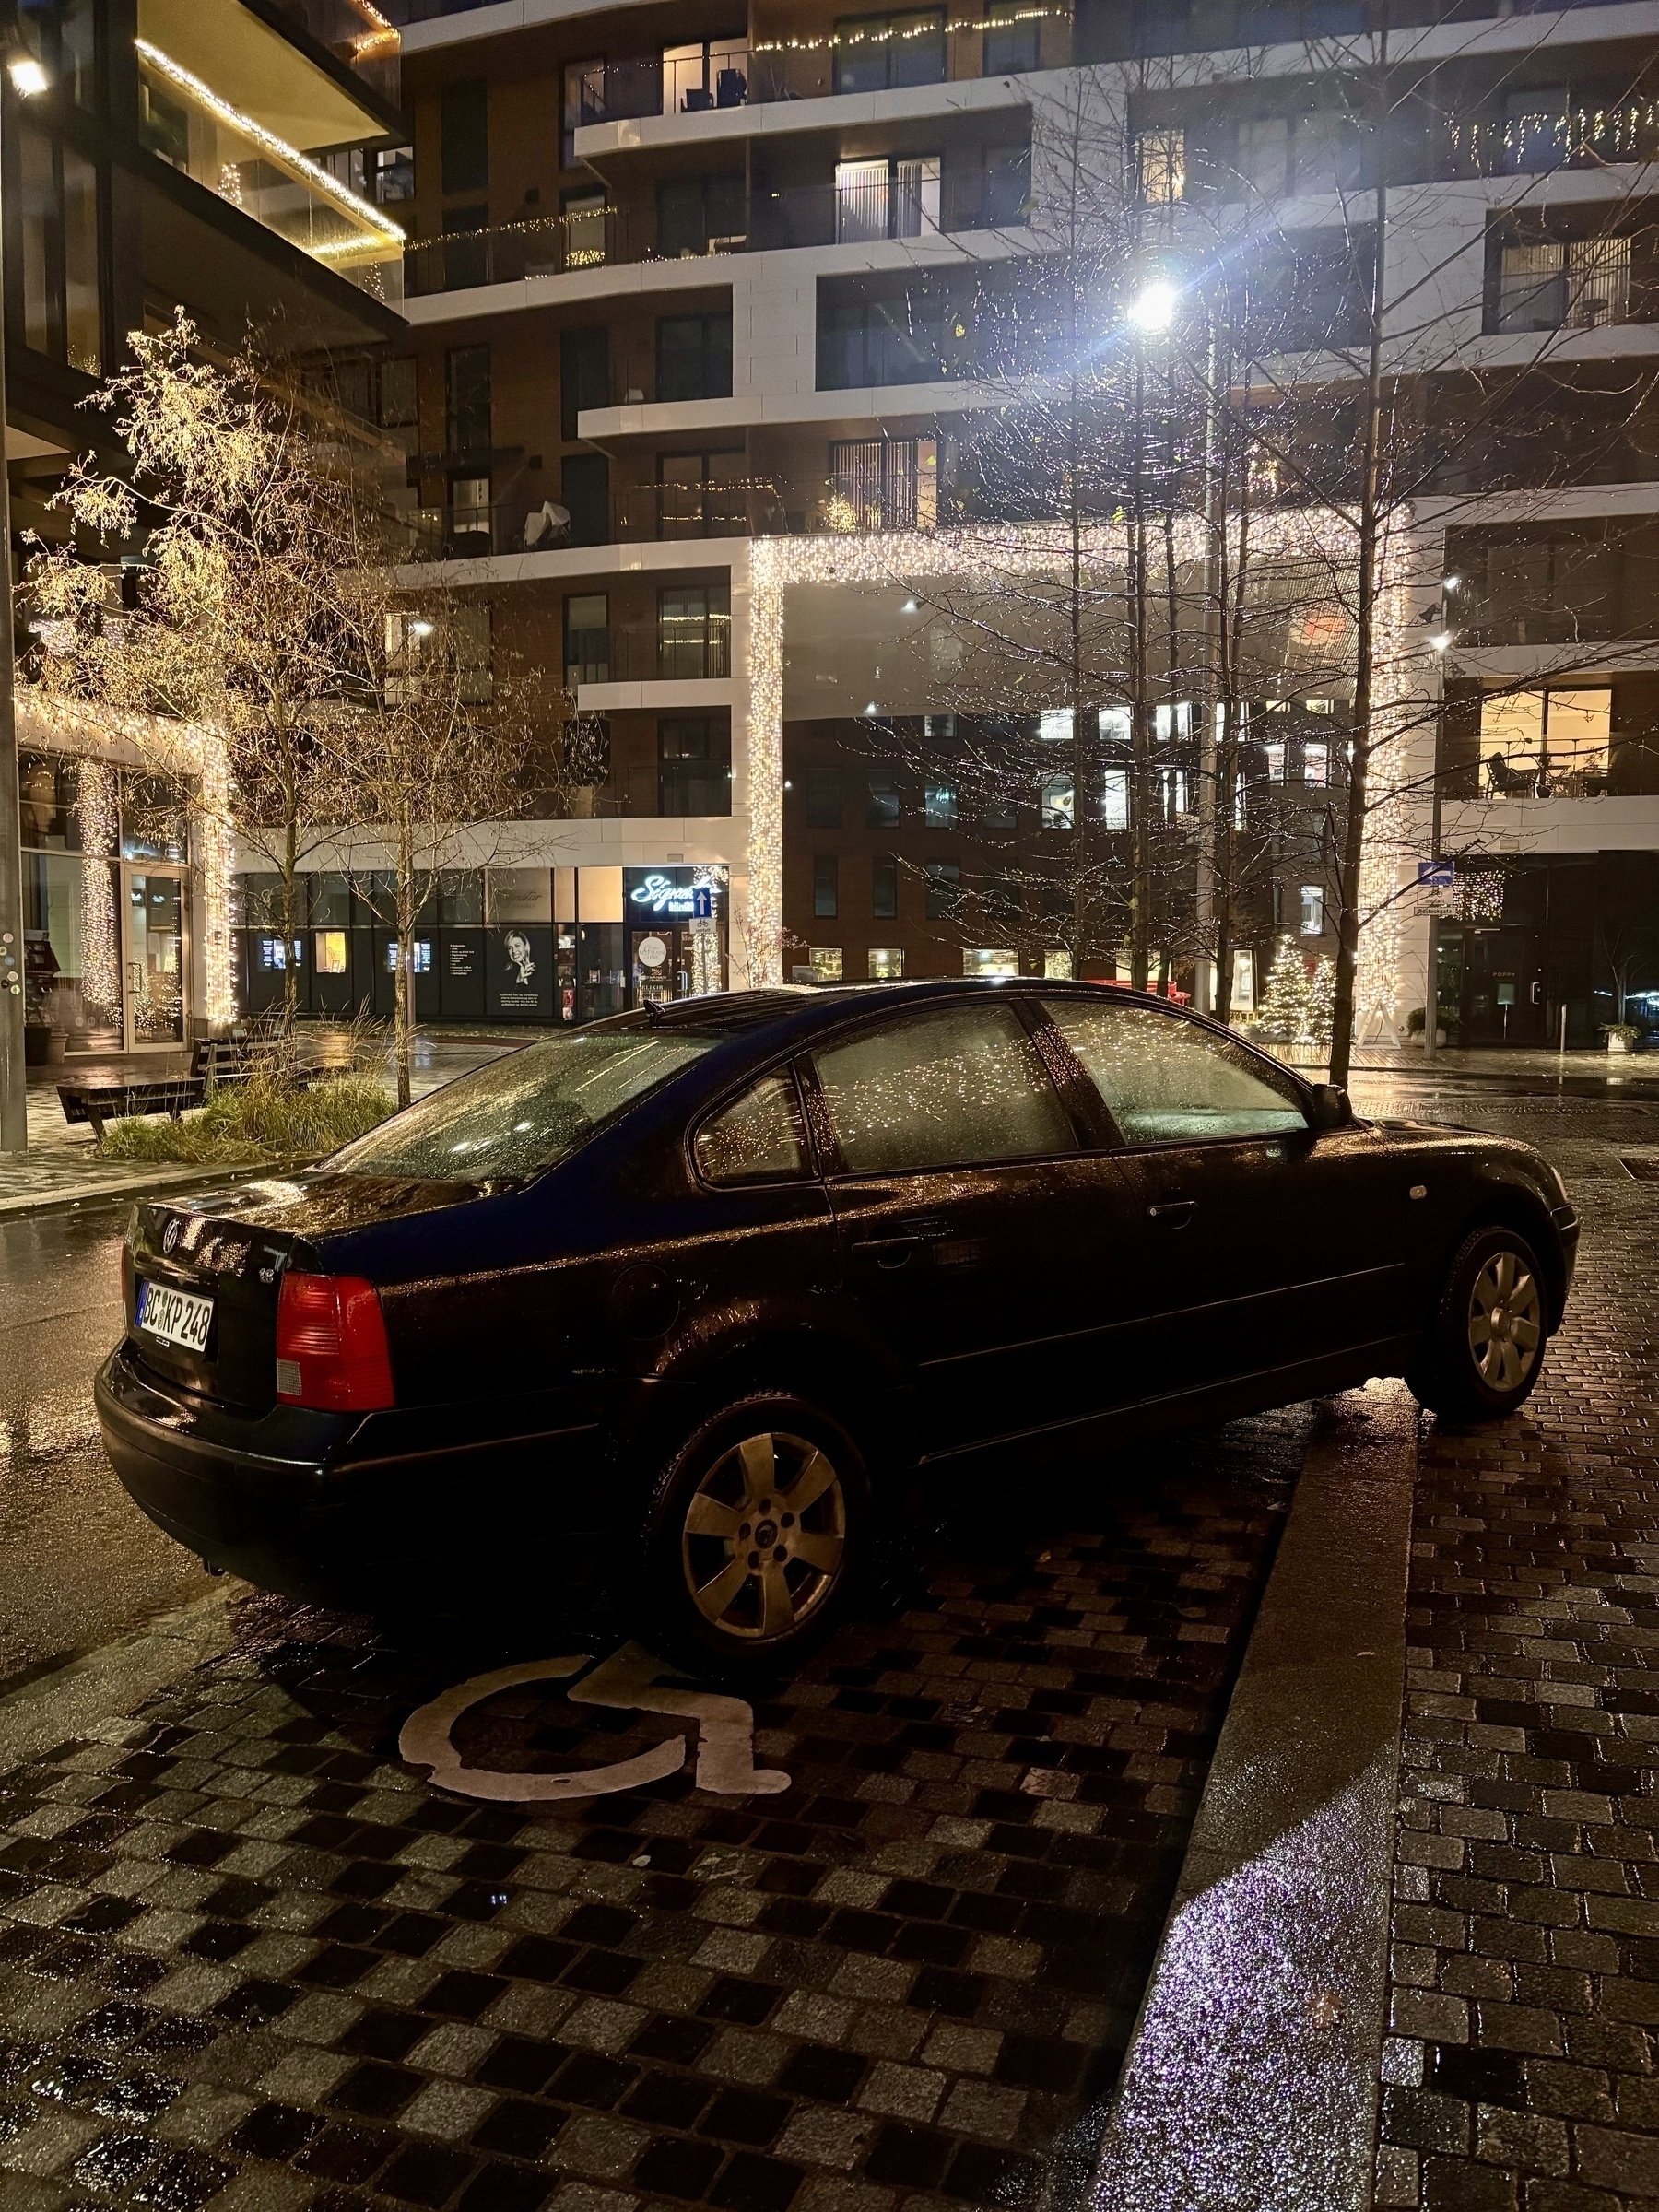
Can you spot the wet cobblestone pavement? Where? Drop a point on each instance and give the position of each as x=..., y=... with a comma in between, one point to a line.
x=1521, y=2076
x=248, y=1959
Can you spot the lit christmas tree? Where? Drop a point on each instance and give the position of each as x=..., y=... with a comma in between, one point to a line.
x=1286, y=1004
x=1322, y=1002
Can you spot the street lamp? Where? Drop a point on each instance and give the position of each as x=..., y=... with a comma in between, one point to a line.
x=1153, y=310
x=29, y=79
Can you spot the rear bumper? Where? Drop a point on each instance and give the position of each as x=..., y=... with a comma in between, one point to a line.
x=316, y=1506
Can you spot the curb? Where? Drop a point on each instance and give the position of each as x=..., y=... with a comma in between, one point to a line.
x=1251, y=2081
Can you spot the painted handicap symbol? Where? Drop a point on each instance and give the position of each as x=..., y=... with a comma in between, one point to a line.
x=630, y=1679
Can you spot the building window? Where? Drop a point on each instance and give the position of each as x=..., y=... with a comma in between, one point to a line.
x=699, y=215
x=1114, y=798
x=826, y=895
x=823, y=798
x=467, y=399
x=884, y=483
x=1012, y=41
x=1275, y=761
x=986, y=962
x=398, y=393
x=887, y=963
x=330, y=951
x=911, y=336
x=392, y=177
x=465, y=120
x=881, y=803
x=470, y=535
x=694, y=357
x=694, y=631
x=1243, y=983
x=1057, y=964
x=875, y=53
x=884, y=888
x=883, y=198
x=583, y=102
x=694, y=764
x=1173, y=784
x=58, y=192
x=586, y=639
x=1312, y=911
x=1536, y=744
x=584, y=491
x=939, y=806
x=944, y=878
x=1161, y=157
x=1059, y=800
x=825, y=963
x=583, y=374
x=1316, y=765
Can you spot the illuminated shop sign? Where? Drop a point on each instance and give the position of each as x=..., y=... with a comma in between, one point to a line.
x=670, y=894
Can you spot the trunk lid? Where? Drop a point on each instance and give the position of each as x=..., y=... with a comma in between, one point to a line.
x=230, y=1249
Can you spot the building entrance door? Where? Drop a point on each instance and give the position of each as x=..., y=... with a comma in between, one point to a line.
x=155, y=959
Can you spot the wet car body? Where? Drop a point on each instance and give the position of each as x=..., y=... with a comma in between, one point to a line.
x=549, y=1337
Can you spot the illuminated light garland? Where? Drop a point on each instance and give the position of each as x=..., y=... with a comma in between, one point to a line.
x=987, y=555
x=97, y=817
x=925, y=30
x=391, y=234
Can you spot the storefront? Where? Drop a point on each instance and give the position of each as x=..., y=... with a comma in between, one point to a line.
x=107, y=936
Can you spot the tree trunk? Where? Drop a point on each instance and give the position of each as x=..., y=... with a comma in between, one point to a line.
x=403, y=1022
x=291, y=931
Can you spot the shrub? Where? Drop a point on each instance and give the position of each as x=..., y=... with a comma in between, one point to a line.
x=267, y=1118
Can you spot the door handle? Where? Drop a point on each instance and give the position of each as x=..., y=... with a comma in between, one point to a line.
x=1172, y=1213
x=890, y=1252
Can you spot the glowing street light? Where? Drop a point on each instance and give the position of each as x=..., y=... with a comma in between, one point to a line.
x=1154, y=311
x=27, y=77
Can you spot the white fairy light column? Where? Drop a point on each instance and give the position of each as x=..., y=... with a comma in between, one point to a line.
x=98, y=814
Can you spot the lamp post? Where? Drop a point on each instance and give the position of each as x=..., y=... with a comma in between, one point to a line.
x=27, y=79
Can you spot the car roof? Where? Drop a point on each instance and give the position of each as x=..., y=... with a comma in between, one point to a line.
x=803, y=1010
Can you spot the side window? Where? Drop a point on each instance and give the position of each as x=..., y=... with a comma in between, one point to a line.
x=760, y=1138
x=1169, y=1081
x=944, y=1088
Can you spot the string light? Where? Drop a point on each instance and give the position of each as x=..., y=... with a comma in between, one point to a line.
x=97, y=817
x=984, y=559
x=390, y=235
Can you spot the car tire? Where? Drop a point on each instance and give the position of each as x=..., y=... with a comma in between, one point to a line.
x=754, y=1536
x=1485, y=1344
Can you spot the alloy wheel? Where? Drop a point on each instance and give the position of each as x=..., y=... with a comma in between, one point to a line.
x=764, y=1540
x=1506, y=1322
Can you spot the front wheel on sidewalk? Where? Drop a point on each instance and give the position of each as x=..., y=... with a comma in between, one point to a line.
x=1485, y=1343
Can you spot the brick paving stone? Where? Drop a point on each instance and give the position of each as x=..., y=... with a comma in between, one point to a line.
x=1526, y=1883
x=250, y=1961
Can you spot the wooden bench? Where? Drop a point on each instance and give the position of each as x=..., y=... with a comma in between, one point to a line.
x=100, y=1102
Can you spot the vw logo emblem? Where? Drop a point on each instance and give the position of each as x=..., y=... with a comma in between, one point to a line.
x=171, y=1234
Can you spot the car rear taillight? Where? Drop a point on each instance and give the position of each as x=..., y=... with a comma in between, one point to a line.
x=330, y=1345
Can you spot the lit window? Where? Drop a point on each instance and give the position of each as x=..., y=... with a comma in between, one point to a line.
x=1316, y=765
x=1055, y=726
x=1175, y=800
x=1117, y=725
x=825, y=963
x=1057, y=964
x=987, y=962
x=1243, y=983
x=273, y=953
x=1172, y=721
x=1312, y=911
x=1114, y=798
x=1272, y=759
x=423, y=956
x=939, y=806
x=1161, y=160
x=1059, y=802
x=887, y=963
x=331, y=952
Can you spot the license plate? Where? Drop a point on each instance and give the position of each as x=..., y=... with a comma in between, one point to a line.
x=175, y=1316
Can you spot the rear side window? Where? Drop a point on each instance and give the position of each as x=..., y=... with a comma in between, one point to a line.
x=944, y=1089
x=1168, y=1081
x=760, y=1138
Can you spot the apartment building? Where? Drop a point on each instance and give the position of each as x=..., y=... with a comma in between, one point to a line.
x=232, y=157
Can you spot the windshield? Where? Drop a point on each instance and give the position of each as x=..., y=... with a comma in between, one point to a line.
x=523, y=1112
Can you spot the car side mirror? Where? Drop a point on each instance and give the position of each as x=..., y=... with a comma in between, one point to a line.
x=1330, y=1107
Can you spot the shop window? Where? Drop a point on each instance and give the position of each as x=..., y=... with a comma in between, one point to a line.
x=825, y=963
x=330, y=951
x=826, y=895
x=991, y=962
x=884, y=888
x=887, y=963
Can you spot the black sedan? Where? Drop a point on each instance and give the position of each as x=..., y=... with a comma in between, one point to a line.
x=687, y=1299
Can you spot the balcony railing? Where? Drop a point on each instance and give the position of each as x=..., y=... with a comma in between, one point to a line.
x=358, y=34
x=550, y=245
x=184, y=123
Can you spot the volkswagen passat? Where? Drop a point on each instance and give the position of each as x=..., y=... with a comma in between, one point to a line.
x=689, y=1297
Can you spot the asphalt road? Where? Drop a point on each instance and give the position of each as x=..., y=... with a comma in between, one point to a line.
x=79, y=1564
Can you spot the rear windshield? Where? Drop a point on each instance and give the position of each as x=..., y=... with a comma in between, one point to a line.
x=524, y=1112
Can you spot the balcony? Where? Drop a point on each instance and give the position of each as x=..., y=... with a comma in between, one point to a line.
x=185, y=123
x=549, y=245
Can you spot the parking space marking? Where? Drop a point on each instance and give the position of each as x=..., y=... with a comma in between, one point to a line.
x=628, y=1680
